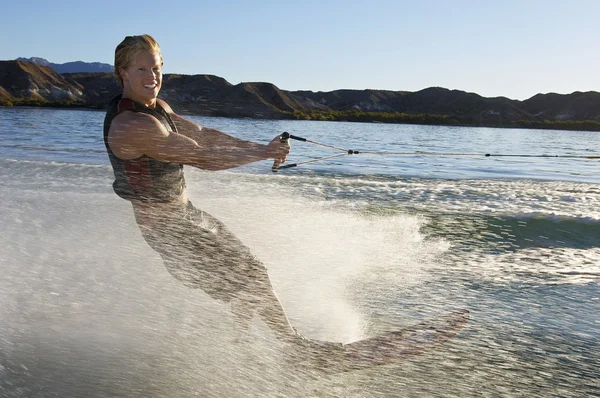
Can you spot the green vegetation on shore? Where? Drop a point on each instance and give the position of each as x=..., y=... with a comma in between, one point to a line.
x=381, y=117
x=579, y=125
x=45, y=103
x=442, y=120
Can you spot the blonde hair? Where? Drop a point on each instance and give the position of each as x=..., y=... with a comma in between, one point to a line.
x=128, y=49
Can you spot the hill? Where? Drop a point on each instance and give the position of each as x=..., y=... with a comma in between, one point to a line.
x=23, y=82
x=71, y=67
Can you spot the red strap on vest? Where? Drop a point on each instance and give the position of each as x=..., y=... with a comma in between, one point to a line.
x=125, y=104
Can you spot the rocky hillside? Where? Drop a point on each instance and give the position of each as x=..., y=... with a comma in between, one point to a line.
x=98, y=88
x=212, y=95
x=575, y=106
x=23, y=82
x=431, y=101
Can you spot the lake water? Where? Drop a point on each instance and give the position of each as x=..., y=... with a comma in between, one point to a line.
x=355, y=246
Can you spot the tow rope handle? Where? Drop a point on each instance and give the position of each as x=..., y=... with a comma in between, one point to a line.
x=284, y=137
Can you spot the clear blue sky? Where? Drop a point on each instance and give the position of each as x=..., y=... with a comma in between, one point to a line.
x=494, y=48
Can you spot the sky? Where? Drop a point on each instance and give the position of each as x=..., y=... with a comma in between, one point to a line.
x=509, y=48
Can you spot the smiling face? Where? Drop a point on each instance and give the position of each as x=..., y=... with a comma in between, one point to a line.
x=142, y=79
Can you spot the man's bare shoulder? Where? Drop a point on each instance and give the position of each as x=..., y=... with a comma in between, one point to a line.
x=129, y=123
x=130, y=134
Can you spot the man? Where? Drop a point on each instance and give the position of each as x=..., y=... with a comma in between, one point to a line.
x=148, y=144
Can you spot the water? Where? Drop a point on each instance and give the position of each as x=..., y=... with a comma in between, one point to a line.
x=354, y=246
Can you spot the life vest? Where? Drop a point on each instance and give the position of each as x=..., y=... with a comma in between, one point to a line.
x=143, y=178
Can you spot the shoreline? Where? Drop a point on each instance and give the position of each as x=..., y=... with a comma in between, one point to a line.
x=353, y=117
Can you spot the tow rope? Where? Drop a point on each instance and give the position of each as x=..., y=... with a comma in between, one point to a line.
x=346, y=152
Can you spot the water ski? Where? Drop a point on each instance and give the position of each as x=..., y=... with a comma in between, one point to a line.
x=386, y=348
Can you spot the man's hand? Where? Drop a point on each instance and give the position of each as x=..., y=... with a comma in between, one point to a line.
x=278, y=150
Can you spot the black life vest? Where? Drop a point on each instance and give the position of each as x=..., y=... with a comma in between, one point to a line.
x=144, y=178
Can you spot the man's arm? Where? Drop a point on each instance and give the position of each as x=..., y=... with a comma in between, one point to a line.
x=202, y=135
x=135, y=134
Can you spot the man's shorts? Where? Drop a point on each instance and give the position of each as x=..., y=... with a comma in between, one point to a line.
x=202, y=253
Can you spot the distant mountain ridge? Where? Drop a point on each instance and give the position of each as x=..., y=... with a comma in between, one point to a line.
x=71, y=67
x=27, y=83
